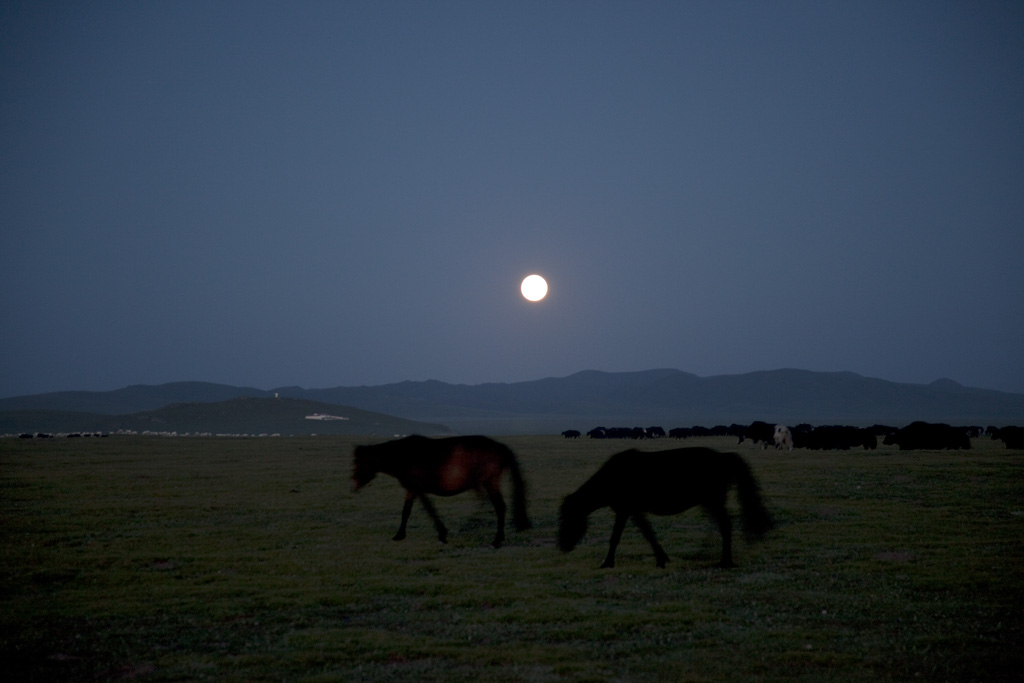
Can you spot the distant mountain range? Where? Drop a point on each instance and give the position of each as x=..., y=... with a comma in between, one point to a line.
x=668, y=398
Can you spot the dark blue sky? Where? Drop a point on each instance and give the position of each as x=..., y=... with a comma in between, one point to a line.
x=343, y=193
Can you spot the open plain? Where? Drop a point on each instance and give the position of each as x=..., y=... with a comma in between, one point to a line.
x=171, y=559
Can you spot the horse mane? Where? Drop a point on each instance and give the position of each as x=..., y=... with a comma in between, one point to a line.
x=576, y=507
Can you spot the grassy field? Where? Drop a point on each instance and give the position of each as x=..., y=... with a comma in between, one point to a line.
x=161, y=559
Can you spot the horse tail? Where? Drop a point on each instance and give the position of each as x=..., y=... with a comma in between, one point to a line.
x=519, y=517
x=757, y=521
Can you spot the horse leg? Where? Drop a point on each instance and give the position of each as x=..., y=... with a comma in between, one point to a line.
x=406, y=509
x=613, y=542
x=499, y=511
x=721, y=515
x=660, y=556
x=442, y=532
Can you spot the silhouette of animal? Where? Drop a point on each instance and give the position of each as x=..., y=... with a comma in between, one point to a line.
x=1012, y=436
x=634, y=483
x=835, y=438
x=759, y=432
x=783, y=438
x=929, y=436
x=445, y=467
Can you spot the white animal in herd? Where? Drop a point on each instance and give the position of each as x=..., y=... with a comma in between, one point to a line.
x=783, y=438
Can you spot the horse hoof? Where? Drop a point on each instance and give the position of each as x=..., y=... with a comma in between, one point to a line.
x=726, y=565
x=399, y=537
x=607, y=565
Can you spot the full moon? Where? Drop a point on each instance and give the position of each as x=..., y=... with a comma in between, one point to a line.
x=534, y=287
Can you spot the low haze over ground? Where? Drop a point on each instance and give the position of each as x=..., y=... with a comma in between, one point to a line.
x=329, y=193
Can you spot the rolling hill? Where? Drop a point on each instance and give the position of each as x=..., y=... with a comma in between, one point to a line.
x=243, y=415
x=580, y=401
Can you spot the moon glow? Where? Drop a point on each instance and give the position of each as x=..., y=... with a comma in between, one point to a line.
x=534, y=288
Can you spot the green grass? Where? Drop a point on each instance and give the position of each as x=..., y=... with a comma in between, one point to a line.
x=250, y=559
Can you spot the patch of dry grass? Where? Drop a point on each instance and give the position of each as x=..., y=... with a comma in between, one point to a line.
x=188, y=559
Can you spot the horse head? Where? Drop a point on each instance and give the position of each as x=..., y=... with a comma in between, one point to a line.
x=572, y=523
x=364, y=467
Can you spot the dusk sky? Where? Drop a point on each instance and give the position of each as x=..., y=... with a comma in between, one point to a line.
x=344, y=193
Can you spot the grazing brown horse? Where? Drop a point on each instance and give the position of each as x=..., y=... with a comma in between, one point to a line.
x=633, y=483
x=445, y=467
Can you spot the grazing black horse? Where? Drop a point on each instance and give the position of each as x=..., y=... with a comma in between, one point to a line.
x=633, y=483
x=445, y=467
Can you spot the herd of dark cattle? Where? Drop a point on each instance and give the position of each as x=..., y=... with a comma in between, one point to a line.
x=915, y=436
